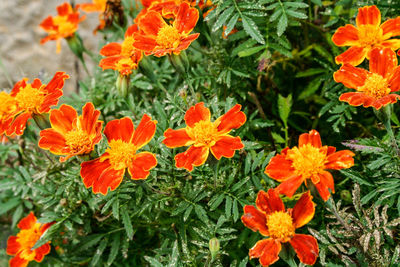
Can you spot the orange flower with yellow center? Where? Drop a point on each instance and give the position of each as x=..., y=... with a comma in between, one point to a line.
x=309, y=161
x=270, y=218
x=122, y=57
x=159, y=37
x=368, y=34
x=204, y=136
x=34, y=98
x=95, y=6
x=62, y=26
x=124, y=142
x=8, y=109
x=71, y=134
x=21, y=245
x=374, y=87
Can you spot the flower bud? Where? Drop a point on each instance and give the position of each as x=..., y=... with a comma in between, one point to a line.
x=214, y=247
x=122, y=85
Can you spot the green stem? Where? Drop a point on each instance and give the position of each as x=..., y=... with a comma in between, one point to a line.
x=384, y=114
x=216, y=173
x=332, y=207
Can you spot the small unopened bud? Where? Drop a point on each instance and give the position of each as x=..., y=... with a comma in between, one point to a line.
x=214, y=247
x=345, y=195
x=63, y=202
x=122, y=85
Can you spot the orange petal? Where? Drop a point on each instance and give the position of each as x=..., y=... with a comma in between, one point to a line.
x=226, y=146
x=357, y=99
x=147, y=3
x=267, y=250
x=19, y=124
x=325, y=182
x=346, y=36
x=313, y=138
x=151, y=23
x=194, y=156
x=110, y=62
x=27, y=222
x=306, y=248
x=383, y=101
x=64, y=9
x=18, y=85
x=391, y=28
x=111, y=49
x=144, y=132
x=141, y=165
x=131, y=30
x=340, y=160
x=279, y=168
x=354, y=56
x=50, y=100
x=144, y=43
x=197, y=113
x=394, y=80
x=368, y=15
x=53, y=141
x=269, y=202
x=186, y=19
x=63, y=119
x=13, y=246
x=233, y=119
x=57, y=82
x=382, y=61
x=184, y=44
x=255, y=220
x=393, y=44
x=121, y=129
x=177, y=138
x=89, y=120
x=350, y=76
x=17, y=261
x=41, y=252
x=100, y=176
x=303, y=211
x=289, y=186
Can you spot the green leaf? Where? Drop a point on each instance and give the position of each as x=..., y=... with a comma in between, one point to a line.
x=10, y=204
x=295, y=4
x=201, y=214
x=231, y=24
x=354, y=177
x=251, y=51
x=114, y=248
x=282, y=24
x=228, y=207
x=223, y=18
x=251, y=28
x=296, y=14
x=99, y=252
x=217, y=201
x=311, y=88
x=127, y=222
x=153, y=262
x=317, y=2
x=284, y=107
x=17, y=215
x=235, y=211
x=175, y=255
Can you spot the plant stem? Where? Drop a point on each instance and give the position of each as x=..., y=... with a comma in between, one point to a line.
x=332, y=207
x=216, y=173
x=384, y=114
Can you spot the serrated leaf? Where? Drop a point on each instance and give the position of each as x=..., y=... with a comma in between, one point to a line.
x=282, y=24
x=296, y=14
x=223, y=18
x=99, y=252
x=153, y=262
x=284, y=107
x=251, y=28
x=126, y=220
x=114, y=248
x=231, y=24
x=201, y=214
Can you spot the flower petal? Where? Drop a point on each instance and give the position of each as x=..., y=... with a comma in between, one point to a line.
x=27, y=222
x=89, y=121
x=184, y=44
x=197, y=113
x=13, y=246
x=391, y=28
x=57, y=82
x=303, y=211
x=18, y=126
x=255, y=220
x=111, y=49
x=382, y=61
x=194, y=156
x=233, y=119
x=144, y=43
x=53, y=141
x=368, y=15
x=279, y=168
x=186, y=19
x=354, y=56
x=340, y=160
x=394, y=80
x=346, y=36
x=144, y=132
x=17, y=261
x=226, y=146
x=306, y=248
x=267, y=250
x=120, y=129
x=269, y=202
x=177, y=138
x=63, y=119
x=325, y=182
x=41, y=252
x=151, y=23
x=393, y=44
x=141, y=165
x=350, y=76
x=289, y=186
x=313, y=138
x=131, y=30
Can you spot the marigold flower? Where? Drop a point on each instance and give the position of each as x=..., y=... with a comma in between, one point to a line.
x=21, y=245
x=124, y=141
x=71, y=134
x=374, y=87
x=270, y=218
x=95, y=6
x=64, y=25
x=8, y=109
x=35, y=98
x=202, y=135
x=159, y=37
x=368, y=34
x=308, y=161
x=122, y=57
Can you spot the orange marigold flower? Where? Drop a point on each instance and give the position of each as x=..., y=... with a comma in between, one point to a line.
x=368, y=34
x=270, y=218
x=62, y=26
x=308, y=160
x=34, y=98
x=159, y=37
x=8, y=109
x=122, y=57
x=95, y=6
x=71, y=134
x=123, y=140
x=202, y=135
x=21, y=245
x=374, y=87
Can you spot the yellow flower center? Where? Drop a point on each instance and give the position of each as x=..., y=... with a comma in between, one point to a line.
x=125, y=66
x=375, y=85
x=29, y=98
x=168, y=37
x=280, y=226
x=65, y=27
x=127, y=46
x=120, y=154
x=78, y=141
x=369, y=35
x=204, y=133
x=27, y=238
x=307, y=160
x=8, y=105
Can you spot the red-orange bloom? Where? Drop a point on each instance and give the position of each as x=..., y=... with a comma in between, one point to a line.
x=35, y=98
x=374, y=87
x=202, y=135
x=270, y=218
x=95, y=6
x=122, y=57
x=308, y=161
x=123, y=140
x=62, y=26
x=8, y=109
x=159, y=37
x=71, y=134
x=21, y=245
x=368, y=34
